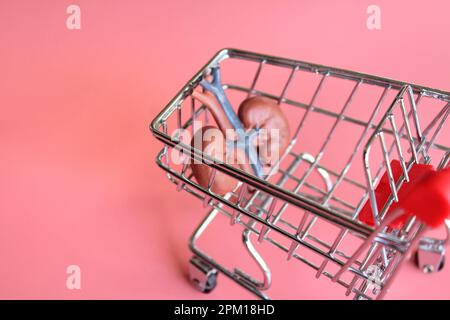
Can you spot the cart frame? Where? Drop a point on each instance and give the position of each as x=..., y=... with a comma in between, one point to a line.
x=259, y=214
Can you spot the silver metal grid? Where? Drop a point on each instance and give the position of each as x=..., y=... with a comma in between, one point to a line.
x=263, y=212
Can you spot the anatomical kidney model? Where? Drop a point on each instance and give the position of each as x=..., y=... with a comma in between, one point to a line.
x=255, y=138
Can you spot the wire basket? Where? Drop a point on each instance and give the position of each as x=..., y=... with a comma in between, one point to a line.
x=348, y=128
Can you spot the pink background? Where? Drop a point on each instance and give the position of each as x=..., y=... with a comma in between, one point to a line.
x=78, y=183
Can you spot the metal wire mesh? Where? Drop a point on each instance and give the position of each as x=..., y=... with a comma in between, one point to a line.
x=304, y=181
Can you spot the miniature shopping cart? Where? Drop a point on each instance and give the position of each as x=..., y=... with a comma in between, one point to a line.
x=360, y=145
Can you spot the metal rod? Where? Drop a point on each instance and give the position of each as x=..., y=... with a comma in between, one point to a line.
x=286, y=86
x=408, y=130
x=255, y=78
x=341, y=176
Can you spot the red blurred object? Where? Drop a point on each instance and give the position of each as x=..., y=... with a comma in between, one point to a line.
x=417, y=174
x=430, y=198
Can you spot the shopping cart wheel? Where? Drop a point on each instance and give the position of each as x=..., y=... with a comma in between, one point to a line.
x=430, y=256
x=202, y=275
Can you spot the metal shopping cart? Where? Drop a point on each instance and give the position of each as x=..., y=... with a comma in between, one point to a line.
x=346, y=174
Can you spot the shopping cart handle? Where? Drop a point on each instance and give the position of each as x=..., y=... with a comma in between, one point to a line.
x=426, y=196
x=383, y=192
x=429, y=201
